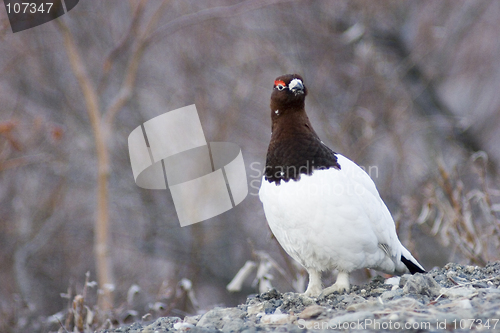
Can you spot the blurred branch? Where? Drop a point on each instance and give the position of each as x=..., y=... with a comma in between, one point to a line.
x=89, y=93
x=209, y=14
x=128, y=38
x=126, y=89
x=6, y=128
x=125, y=43
x=101, y=227
x=13, y=163
x=101, y=127
x=17, y=162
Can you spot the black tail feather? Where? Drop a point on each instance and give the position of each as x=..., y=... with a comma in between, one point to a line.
x=411, y=266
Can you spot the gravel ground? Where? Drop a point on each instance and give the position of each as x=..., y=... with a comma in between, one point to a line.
x=454, y=298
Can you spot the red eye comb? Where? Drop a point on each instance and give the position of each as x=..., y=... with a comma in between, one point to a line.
x=278, y=82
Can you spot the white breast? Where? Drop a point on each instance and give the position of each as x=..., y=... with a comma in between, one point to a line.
x=333, y=219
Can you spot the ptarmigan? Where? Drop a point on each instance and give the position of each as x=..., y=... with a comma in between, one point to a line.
x=323, y=209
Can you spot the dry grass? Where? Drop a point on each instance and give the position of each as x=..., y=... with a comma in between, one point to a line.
x=460, y=208
x=84, y=315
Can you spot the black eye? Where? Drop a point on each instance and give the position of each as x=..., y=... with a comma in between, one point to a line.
x=280, y=87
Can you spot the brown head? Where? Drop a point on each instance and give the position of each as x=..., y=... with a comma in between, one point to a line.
x=289, y=93
x=295, y=148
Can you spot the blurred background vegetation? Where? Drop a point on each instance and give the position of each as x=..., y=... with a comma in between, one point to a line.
x=407, y=89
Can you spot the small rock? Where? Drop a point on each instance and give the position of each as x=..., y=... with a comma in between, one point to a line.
x=390, y=294
x=276, y=319
x=220, y=319
x=192, y=319
x=379, y=290
x=306, y=300
x=471, y=269
x=353, y=299
x=255, y=308
x=448, y=266
x=422, y=284
x=271, y=305
x=451, y=274
x=366, y=306
x=271, y=294
x=183, y=326
x=311, y=312
x=296, y=302
x=163, y=323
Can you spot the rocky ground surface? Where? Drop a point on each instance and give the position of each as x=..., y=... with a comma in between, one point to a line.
x=454, y=298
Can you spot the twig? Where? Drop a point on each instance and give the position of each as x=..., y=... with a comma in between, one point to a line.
x=62, y=326
x=126, y=89
x=123, y=45
x=89, y=93
x=127, y=39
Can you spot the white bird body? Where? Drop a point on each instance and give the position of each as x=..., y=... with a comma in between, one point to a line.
x=326, y=217
x=334, y=219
